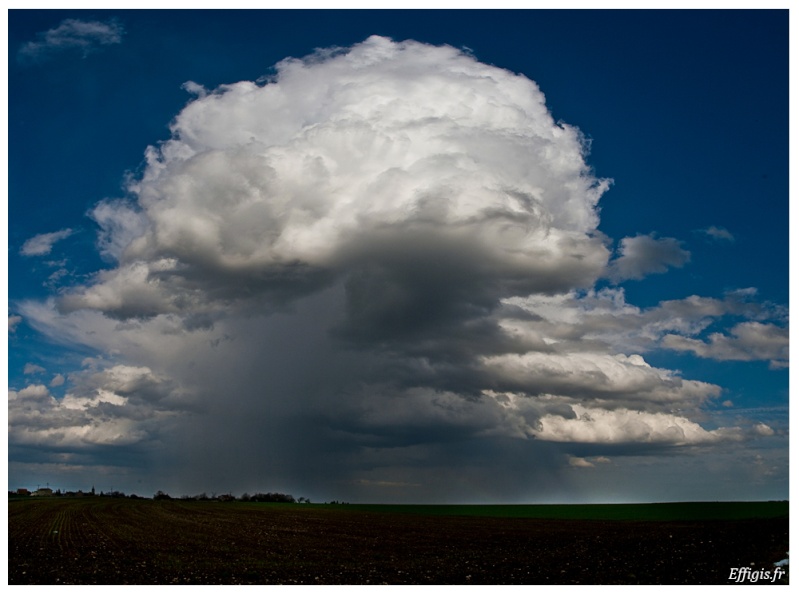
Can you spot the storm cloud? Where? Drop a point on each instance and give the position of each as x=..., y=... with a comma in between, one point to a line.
x=375, y=269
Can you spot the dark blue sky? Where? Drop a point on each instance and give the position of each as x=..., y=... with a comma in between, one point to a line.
x=686, y=111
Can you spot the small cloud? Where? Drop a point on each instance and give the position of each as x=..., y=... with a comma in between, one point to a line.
x=72, y=35
x=58, y=380
x=55, y=278
x=718, y=233
x=577, y=462
x=642, y=255
x=763, y=430
x=31, y=368
x=745, y=293
x=727, y=403
x=194, y=88
x=42, y=244
x=13, y=322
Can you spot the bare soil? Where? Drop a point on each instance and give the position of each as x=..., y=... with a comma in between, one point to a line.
x=122, y=541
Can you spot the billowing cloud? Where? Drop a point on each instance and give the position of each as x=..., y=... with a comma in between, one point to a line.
x=630, y=426
x=42, y=244
x=458, y=184
x=71, y=35
x=120, y=223
x=376, y=269
x=589, y=376
x=119, y=406
x=642, y=255
x=603, y=319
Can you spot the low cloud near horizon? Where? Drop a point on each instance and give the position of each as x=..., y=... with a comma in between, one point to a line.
x=377, y=272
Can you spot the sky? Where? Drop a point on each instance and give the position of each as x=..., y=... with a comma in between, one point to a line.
x=406, y=256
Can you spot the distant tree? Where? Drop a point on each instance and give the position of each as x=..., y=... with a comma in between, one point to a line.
x=272, y=498
x=161, y=495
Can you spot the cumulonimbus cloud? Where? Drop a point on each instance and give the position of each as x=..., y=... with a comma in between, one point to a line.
x=389, y=246
x=390, y=164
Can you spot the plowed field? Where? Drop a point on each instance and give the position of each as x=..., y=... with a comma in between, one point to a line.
x=124, y=541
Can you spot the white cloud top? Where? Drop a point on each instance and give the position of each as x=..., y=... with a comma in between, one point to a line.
x=398, y=151
x=624, y=426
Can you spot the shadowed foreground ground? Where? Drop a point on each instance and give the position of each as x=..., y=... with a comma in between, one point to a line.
x=123, y=541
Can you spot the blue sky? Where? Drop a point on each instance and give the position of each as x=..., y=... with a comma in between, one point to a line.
x=400, y=270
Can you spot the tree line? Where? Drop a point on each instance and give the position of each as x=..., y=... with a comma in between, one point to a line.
x=256, y=497
x=161, y=495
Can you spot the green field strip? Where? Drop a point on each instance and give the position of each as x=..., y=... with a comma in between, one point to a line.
x=716, y=510
x=200, y=513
